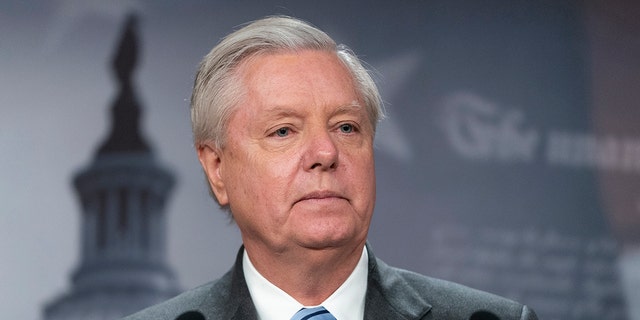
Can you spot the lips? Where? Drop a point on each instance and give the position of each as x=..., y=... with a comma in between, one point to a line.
x=320, y=195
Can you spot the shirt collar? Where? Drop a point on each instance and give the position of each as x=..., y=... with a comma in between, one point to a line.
x=346, y=303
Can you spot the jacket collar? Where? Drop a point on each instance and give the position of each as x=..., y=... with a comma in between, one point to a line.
x=230, y=298
x=389, y=295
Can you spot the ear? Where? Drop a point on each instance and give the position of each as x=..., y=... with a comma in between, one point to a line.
x=212, y=164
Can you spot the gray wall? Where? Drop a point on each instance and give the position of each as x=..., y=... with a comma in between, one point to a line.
x=509, y=160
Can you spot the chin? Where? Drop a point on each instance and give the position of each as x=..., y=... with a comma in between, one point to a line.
x=328, y=241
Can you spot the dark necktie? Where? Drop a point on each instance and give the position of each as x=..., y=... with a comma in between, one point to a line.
x=317, y=313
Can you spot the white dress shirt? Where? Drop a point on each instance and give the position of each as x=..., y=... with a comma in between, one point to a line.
x=346, y=303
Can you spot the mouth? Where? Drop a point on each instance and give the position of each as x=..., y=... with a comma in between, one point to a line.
x=321, y=195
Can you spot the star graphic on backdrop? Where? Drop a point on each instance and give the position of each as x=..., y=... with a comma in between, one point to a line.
x=396, y=72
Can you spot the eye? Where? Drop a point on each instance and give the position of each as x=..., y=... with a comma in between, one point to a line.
x=282, y=132
x=346, y=128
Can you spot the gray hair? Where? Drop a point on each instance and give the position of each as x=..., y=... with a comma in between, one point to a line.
x=217, y=89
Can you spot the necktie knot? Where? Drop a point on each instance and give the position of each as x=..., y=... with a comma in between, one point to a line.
x=317, y=313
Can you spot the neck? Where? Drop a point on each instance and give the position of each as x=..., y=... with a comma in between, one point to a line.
x=308, y=275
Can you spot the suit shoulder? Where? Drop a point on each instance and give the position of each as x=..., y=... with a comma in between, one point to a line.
x=186, y=301
x=447, y=299
x=449, y=290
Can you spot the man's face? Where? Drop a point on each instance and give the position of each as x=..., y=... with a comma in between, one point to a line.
x=297, y=168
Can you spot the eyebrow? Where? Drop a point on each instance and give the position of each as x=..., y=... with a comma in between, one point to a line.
x=353, y=107
x=284, y=111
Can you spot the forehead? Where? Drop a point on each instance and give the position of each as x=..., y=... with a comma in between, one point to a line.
x=297, y=74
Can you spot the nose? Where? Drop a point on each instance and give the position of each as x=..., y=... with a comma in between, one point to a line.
x=321, y=152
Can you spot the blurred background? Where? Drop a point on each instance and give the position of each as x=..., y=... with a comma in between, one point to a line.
x=509, y=161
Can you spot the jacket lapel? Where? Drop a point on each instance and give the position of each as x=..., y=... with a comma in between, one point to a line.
x=389, y=296
x=231, y=298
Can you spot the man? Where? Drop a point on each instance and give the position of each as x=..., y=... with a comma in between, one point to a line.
x=284, y=123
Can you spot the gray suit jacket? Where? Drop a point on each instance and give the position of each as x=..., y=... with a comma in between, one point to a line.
x=391, y=294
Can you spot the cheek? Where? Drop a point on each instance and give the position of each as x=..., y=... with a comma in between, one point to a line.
x=368, y=182
x=265, y=180
x=241, y=177
x=361, y=174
